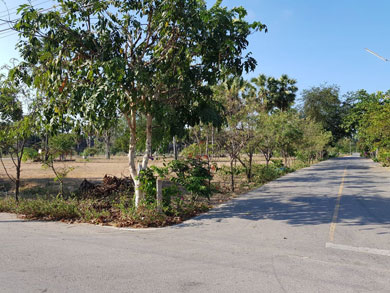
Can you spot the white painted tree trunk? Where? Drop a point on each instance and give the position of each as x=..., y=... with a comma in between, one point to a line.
x=131, y=121
x=134, y=171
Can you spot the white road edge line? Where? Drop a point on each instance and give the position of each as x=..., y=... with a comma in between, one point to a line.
x=358, y=249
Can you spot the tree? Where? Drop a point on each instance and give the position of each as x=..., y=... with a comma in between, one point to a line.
x=368, y=116
x=275, y=93
x=152, y=58
x=13, y=138
x=62, y=145
x=233, y=138
x=10, y=106
x=314, y=140
x=288, y=133
x=322, y=104
x=14, y=128
x=266, y=134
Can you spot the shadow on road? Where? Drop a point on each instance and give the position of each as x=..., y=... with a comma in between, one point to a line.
x=363, y=201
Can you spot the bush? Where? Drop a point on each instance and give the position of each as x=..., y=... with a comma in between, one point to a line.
x=298, y=164
x=263, y=174
x=90, y=152
x=194, y=150
x=384, y=158
x=277, y=163
x=148, y=185
x=170, y=193
x=8, y=205
x=193, y=175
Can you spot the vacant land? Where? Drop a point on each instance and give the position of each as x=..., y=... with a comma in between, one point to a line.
x=36, y=178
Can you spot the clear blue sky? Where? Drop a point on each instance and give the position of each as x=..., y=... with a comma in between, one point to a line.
x=312, y=41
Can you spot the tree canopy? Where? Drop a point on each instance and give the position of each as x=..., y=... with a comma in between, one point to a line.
x=155, y=58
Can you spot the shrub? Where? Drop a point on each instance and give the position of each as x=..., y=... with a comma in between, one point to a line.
x=90, y=152
x=263, y=174
x=8, y=205
x=298, y=164
x=148, y=184
x=384, y=158
x=170, y=193
x=193, y=175
x=277, y=163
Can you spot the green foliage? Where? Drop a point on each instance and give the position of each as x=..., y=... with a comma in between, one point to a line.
x=90, y=152
x=148, y=184
x=62, y=145
x=54, y=209
x=226, y=170
x=13, y=138
x=8, y=205
x=10, y=106
x=193, y=175
x=263, y=173
x=277, y=163
x=30, y=154
x=384, y=158
x=273, y=93
x=314, y=141
x=368, y=116
x=194, y=150
x=344, y=145
x=322, y=105
x=138, y=58
x=171, y=193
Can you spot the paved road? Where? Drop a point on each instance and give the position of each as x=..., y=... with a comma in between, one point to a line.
x=321, y=229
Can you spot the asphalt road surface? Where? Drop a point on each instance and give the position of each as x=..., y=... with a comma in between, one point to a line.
x=321, y=229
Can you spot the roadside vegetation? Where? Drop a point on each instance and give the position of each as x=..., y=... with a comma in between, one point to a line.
x=109, y=78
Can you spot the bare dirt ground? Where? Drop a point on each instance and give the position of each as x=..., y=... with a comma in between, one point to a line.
x=37, y=179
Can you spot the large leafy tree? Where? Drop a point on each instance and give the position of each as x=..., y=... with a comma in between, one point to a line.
x=368, y=116
x=153, y=58
x=322, y=104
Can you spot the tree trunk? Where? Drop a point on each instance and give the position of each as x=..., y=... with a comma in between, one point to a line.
x=148, y=143
x=107, y=139
x=249, y=174
x=89, y=141
x=17, y=185
x=131, y=121
x=174, y=148
x=18, y=169
x=232, y=174
x=207, y=144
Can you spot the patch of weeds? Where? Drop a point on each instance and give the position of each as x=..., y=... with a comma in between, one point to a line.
x=8, y=205
x=49, y=209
